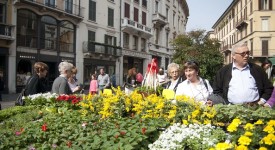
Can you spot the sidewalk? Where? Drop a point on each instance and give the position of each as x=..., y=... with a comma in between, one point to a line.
x=8, y=100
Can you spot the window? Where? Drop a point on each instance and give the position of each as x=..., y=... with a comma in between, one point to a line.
x=167, y=14
x=2, y=13
x=92, y=10
x=66, y=36
x=135, y=43
x=125, y=40
x=251, y=47
x=265, y=47
x=251, y=7
x=174, y=20
x=69, y=6
x=143, y=43
x=144, y=18
x=157, y=7
x=110, y=40
x=167, y=39
x=144, y=3
x=126, y=10
x=27, y=29
x=91, y=39
x=265, y=23
x=137, y=1
x=136, y=14
x=251, y=25
x=48, y=32
x=50, y=3
x=166, y=63
x=110, y=17
x=157, y=35
x=265, y=4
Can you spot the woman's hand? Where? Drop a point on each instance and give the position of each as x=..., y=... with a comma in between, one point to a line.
x=209, y=103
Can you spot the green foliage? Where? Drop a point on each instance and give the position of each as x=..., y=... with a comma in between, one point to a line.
x=196, y=46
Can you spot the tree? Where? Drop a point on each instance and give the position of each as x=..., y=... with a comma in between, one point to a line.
x=195, y=45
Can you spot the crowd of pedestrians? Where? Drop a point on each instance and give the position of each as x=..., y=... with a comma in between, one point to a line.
x=239, y=82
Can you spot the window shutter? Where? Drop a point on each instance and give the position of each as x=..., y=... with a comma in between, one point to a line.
x=114, y=41
x=92, y=10
x=270, y=4
x=144, y=18
x=136, y=14
x=265, y=47
x=110, y=17
x=127, y=10
x=260, y=4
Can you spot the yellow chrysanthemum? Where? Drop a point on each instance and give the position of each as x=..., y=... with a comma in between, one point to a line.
x=185, y=122
x=223, y=146
x=249, y=126
x=262, y=148
x=248, y=133
x=259, y=122
x=244, y=140
x=269, y=129
x=241, y=147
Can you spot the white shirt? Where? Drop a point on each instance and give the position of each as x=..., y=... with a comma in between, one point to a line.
x=242, y=86
x=173, y=84
x=162, y=78
x=199, y=92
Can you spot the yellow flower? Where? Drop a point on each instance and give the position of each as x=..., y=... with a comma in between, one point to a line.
x=185, y=122
x=268, y=139
x=231, y=128
x=249, y=126
x=241, y=147
x=244, y=140
x=223, y=146
x=248, y=133
x=259, y=122
x=271, y=123
x=262, y=148
x=195, y=113
x=269, y=129
x=206, y=121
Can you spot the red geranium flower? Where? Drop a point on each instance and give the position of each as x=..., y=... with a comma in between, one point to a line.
x=116, y=136
x=44, y=127
x=143, y=130
x=69, y=144
x=122, y=133
x=74, y=101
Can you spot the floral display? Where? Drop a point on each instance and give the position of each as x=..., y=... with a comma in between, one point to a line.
x=120, y=121
x=150, y=78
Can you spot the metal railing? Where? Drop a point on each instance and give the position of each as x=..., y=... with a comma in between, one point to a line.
x=101, y=48
x=6, y=31
x=66, y=47
x=63, y=5
x=140, y=27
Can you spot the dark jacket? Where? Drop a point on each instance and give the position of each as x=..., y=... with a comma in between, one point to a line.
x=35, y=85
x=224, y=75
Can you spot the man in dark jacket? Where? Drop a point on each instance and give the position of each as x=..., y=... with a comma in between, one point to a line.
x=241, y=82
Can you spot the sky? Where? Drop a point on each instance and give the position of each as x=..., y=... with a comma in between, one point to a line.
x=204, y=13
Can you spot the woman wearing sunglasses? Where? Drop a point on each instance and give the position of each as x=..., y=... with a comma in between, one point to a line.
x=194, y=86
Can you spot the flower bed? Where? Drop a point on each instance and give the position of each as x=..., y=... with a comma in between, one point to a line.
x=119, y=121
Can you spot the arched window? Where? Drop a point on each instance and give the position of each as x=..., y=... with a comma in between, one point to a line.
x=66, y=37
x=48, y=32
x=26, y=28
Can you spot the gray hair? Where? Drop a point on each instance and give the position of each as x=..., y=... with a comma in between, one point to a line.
x=173, y=65
x=236, y=46
x=65, y=66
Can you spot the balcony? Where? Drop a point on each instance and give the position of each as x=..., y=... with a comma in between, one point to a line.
x=133, y=27
x=63, y=7
x=159, y=19
x=7, y=32
x=100, y=48
x=242, y=22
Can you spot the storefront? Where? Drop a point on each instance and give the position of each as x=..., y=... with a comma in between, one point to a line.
x=4, y=66
x=132, y=62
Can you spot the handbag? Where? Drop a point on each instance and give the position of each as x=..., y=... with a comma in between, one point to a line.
x=215, y=98
x=20, y=101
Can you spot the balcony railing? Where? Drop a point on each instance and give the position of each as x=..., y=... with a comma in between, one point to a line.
x=66, y=47
x=6, y=31
x=101, y=48
x=159, y=19
x=241, y=22
x=132, y=26
x=64, y=6
x=26, y=41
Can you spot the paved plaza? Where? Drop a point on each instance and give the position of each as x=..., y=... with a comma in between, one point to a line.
x=8, y=100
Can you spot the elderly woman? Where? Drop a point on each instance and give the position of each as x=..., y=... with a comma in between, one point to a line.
x=173, y=72
x=36, y=83
x=60, y=84
x=194, y=86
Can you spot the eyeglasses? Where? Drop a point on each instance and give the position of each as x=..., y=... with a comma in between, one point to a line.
x=243, y=53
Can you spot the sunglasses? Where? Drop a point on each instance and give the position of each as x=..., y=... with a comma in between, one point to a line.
x=243, y=53
x=190, y=62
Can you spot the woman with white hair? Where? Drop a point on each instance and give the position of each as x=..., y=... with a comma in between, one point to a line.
x=60, y=84
x=173, y=72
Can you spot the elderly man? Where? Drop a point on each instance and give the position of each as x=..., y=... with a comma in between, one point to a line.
x=103, y=80
x=242, y=82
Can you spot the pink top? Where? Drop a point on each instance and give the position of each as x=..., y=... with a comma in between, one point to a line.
x=93, y=86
